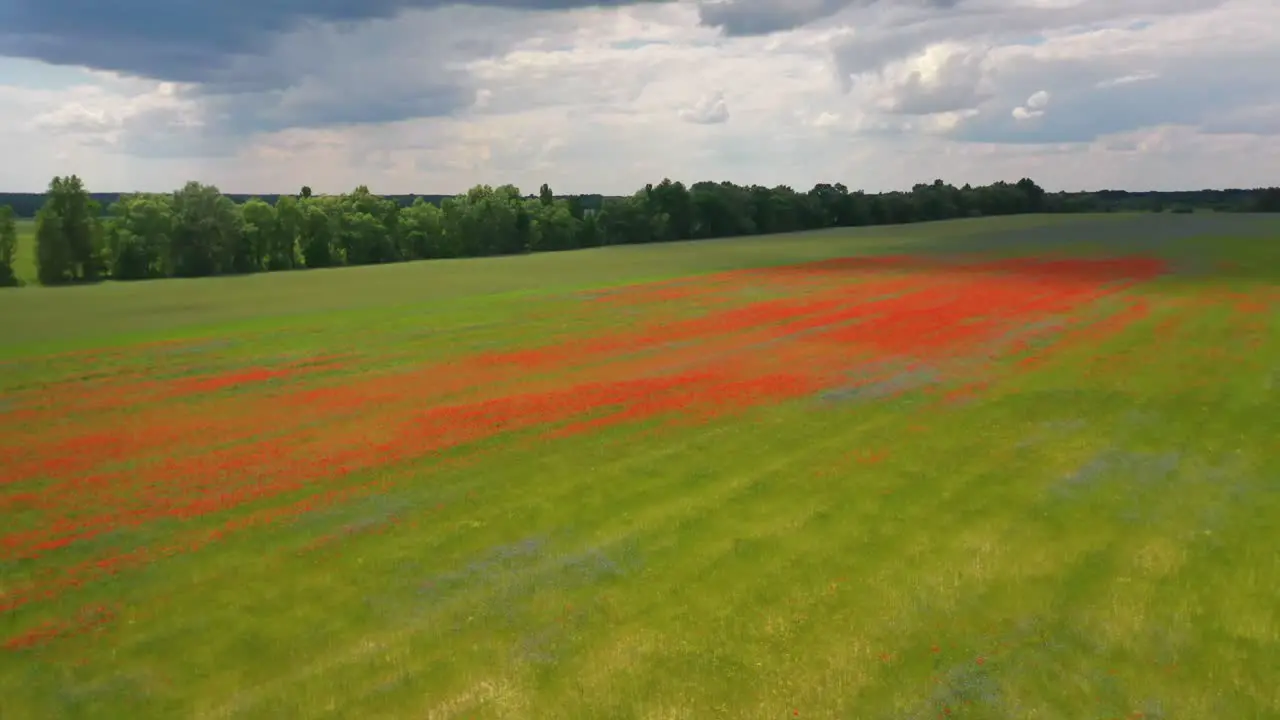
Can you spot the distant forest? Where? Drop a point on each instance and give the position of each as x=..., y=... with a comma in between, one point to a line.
x=26, y=205
x=199, y=231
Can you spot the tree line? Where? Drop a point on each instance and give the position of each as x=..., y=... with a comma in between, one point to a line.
x=198, y=231
x=26, y=205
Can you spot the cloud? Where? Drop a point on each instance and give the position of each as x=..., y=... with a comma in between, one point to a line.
x=244, y=68
x=826, y=119
x=1033, y=108
x=889, y=34
x=1261, y=119
x=709, y=110
x=75, y=118
x=1112, y=80
x=762, y=17
x=1127, y=79
x=194, y=41
x=942, y=79
x=878, y=95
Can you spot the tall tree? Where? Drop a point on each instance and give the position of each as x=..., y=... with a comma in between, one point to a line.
x=8, y=246
x=197, y=230
x=1267, y=201
x=367, y=227
x=68, y=234
x=282, y=249
x=316, y=235
x=139, y=233
x=259, y=232
x=53, y=254
x=421, y=232
x=207, y=232
x=672, y=199
x=554, y=227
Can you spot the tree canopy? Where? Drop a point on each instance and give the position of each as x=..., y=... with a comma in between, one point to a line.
x=8, y=246
x=198, y=231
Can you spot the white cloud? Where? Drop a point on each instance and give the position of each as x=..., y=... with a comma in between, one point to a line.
x=1090, y=93
x=709, y=110
x=1033, y=108
x=943, y=78
x=75, y=118
x=826, y=119
x=1127, y=79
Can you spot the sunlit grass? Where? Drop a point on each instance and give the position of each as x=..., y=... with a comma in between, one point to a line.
x=1089, y=536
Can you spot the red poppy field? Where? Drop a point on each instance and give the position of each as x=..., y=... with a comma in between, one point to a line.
x=893, y=485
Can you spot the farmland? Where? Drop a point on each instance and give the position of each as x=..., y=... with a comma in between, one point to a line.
x=24, y=265
x=1014, y=467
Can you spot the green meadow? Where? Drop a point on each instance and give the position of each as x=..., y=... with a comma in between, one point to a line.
x=24, y=263
x=510, y=488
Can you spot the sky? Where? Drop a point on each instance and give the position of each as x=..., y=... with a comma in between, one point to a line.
x=421, y=96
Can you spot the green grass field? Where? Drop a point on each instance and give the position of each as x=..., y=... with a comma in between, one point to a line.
x=1002, y=468
x=24, y=263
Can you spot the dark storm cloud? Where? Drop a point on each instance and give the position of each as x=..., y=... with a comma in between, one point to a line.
x=243, y=113
x=270, y=65
x=192, y=40
x=762, y=17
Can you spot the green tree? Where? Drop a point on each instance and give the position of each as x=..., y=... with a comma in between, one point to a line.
x=422, y=232
x=197, y=230
x=362, y=238
x=316, y=235
x=937, y=201
x=672, y=199
x=831, y=205
x=139, y=234
x=8, y=246
x=259, y=233
x=721, y=210
x=633, y=220
x=484, y=222
x=282, y=248
x=53, y=254
x=1267, y=200
x=514, y=233
x=553, y=227
x=1034, y=195
x=367, y=227
x=68, y=234
x=590, y=234
x=207, y=232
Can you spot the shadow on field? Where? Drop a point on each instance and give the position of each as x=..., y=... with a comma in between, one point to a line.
x=1218, y=246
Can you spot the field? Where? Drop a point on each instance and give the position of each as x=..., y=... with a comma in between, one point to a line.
x=1013, y=468
x=24, y=265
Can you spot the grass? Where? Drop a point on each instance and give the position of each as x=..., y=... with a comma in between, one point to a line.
x=24, y=262
x=153, y=311
x=742, y=478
